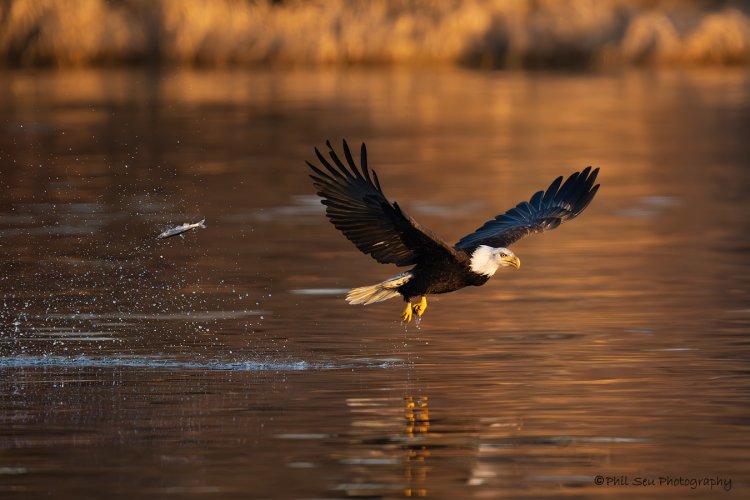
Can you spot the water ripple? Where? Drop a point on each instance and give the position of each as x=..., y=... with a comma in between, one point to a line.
x=195, y=316
x=159, y=363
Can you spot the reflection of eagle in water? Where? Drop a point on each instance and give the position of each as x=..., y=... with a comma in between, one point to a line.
x=356, y=205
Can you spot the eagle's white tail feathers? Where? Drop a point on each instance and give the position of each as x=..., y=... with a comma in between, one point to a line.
x=378, y=293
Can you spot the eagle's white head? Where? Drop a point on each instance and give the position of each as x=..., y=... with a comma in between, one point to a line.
x=486, y=260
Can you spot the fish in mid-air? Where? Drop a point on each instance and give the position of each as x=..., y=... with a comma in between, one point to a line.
x=356, y=205
x=178, y=230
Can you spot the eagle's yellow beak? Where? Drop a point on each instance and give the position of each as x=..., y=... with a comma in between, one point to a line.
x=512, y=260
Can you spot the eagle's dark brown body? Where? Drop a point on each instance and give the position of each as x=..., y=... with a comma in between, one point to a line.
x=441, y=276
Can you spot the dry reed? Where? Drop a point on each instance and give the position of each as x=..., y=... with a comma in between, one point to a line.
x=295, y=32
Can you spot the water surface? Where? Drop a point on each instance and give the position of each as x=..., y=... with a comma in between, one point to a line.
x=226, y=364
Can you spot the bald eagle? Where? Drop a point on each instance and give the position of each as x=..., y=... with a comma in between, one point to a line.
x=356, y=205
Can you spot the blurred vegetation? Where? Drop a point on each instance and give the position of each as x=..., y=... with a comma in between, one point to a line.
x=488, y=33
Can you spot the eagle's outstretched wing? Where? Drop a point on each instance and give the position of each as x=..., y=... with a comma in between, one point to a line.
x=356, y=205
x=546, y=210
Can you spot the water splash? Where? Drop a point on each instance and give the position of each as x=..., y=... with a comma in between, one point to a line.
x=153, y=362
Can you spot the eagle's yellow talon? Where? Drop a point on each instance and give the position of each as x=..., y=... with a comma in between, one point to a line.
x=420, y=308
x=407, y=314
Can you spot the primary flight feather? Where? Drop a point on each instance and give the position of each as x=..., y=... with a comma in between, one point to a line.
x=356, y=205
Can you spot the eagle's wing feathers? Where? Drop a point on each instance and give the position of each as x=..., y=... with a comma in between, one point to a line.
x=545, y=210
x=356, y=205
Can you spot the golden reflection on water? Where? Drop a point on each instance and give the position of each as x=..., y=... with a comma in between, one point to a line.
x=417, y=418
x=382, y=439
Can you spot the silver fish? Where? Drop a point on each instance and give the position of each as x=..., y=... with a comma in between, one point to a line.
x=174, y=231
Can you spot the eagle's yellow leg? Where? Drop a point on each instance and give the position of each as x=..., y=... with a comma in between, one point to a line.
x=420, y=308
x=407, y=314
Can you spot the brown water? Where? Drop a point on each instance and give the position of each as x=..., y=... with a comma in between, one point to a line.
x=227, y=365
